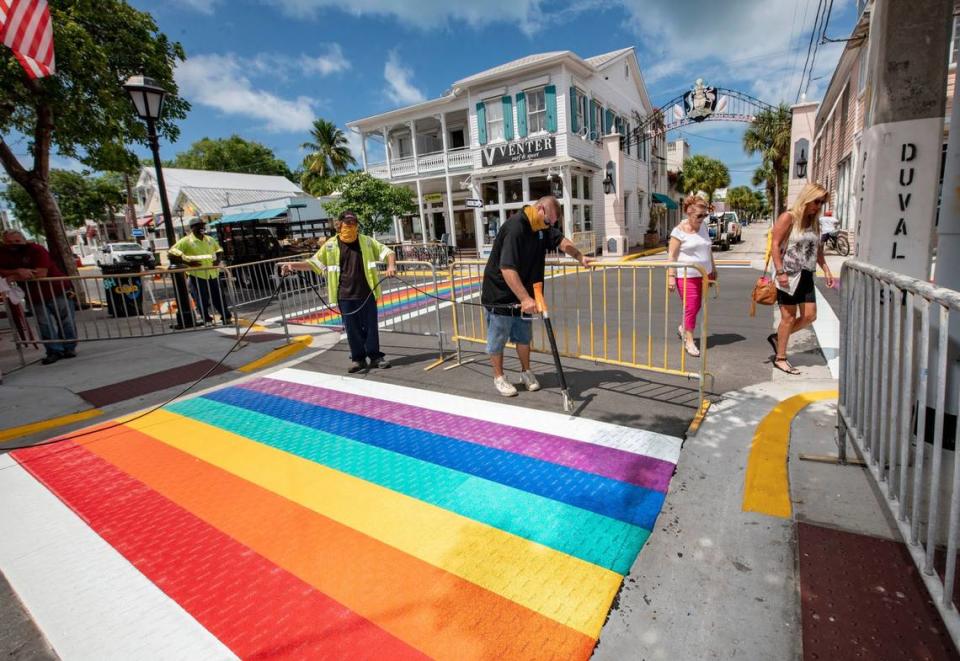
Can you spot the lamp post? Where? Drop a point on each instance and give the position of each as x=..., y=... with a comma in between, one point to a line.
x=147, y=96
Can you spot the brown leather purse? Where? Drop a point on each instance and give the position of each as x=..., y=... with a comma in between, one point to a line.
x=764, y=291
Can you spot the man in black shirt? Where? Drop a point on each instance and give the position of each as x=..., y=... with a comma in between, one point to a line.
x=515, y=264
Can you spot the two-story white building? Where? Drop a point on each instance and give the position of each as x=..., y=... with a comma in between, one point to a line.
x=503, y=137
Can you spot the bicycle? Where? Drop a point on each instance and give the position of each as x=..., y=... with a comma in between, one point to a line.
x=839, y=242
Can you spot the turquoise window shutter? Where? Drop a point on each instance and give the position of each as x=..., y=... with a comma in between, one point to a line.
x=574, y=124
x=608, y=121
x=507, y=117
x=550, y=99
x=521, y=115
x=593, y=119
x=482, y=123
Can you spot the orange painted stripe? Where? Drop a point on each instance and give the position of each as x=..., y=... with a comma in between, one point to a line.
x=438, y=613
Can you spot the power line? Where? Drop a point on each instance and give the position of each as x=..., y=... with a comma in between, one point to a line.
x=813, y=33
x=816, y=48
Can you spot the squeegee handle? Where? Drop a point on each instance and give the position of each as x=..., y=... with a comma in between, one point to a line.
x=538, y=297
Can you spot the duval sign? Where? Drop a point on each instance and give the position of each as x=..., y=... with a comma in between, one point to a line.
x=519, y=151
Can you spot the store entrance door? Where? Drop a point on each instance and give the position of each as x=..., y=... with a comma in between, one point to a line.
x=465, y=229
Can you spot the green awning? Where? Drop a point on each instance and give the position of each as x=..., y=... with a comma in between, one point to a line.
x=663, y=199
x=264, y=214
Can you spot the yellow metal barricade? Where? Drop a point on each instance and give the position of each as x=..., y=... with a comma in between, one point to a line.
x=617, y=313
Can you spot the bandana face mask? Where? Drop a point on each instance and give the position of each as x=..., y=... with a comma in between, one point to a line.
x=348, y=233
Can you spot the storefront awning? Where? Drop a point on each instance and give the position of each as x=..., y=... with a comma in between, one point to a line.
x=263, y=214
x=663, y=199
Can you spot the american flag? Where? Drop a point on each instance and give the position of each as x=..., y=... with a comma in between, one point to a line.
x=26, y=29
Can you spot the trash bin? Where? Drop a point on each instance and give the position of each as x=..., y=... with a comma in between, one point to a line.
x=123, y=290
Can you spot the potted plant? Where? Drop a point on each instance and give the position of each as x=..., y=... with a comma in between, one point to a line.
x=652, y=238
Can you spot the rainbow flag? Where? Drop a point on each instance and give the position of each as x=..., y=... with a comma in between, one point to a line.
x=398, y=301
x=305, y=515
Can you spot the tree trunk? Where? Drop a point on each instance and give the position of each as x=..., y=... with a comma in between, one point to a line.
x=57, y=242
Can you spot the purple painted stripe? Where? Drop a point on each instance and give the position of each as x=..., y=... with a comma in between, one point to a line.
x=640, y=470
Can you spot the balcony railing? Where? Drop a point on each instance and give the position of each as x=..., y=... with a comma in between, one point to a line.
x=431, y=163
x=426, y=164
x=459, y=158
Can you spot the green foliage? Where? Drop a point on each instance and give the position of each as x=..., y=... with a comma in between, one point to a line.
x=373, y=200
x=702, y=173
x=328, y=158
x=233, y=154
x=769, y=136
x=80, y=197
x=741, y=200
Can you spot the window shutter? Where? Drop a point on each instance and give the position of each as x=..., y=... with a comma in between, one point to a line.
x=482, y=123
x=550, y=100
x=607, y=122
x=593, y=119
x=521, y=115
x=628, y=138
x=574, y=124
x=507, y=117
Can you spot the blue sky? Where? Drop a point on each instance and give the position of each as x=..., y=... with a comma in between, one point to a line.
x=264, y=68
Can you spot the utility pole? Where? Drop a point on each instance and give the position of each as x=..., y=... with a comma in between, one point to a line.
x=903, y=135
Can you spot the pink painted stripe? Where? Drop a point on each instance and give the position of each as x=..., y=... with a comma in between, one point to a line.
x=640, y=470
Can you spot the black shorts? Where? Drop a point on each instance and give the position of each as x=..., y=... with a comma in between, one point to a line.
x=805, y=292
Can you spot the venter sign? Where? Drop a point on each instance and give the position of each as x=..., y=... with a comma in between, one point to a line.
x=519, y=151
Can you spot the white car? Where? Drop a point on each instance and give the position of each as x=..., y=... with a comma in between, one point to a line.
x=125, y=253
x=732, y=222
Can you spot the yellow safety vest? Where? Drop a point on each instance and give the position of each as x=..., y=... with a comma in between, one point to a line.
x=198, y=252
x=326, y=262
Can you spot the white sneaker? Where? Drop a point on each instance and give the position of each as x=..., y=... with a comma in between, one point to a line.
x=504, y=387
x=530, y=381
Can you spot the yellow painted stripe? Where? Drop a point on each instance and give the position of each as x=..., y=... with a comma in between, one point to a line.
x=564, y=588
x=645, y=253
x=13, y=433
x=766, y=487
x=298, y=343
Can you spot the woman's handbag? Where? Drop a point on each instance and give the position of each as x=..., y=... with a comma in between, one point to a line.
x=764, y=291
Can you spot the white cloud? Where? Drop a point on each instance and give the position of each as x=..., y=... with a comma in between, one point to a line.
x=423, y=14
x=740, y=41
x=221, y=82
x=399, y=88
x=330, y=61
x=202, y=6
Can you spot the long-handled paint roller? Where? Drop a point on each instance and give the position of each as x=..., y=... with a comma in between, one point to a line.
x=542, y=309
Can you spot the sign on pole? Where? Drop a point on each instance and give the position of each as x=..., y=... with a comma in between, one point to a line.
x=474, y=203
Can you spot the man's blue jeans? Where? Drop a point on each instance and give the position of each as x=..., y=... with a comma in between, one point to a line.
x=56, y=321
x=360, y=324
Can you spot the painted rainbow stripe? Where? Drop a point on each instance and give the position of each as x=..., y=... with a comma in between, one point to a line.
x=397, y=301
x=306, y=515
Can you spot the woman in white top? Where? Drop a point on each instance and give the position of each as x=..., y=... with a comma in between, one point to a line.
x=690, y=244
x=796, y=250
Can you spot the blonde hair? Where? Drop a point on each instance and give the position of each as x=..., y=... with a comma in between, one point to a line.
x=691, y=200
x=808, y=194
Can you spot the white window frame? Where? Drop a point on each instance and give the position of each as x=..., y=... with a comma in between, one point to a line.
x=954, y=45
x=862, y=71
x=583, y=110
x=494, y=112
x=539, y=114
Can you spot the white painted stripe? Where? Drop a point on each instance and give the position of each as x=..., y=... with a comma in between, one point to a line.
x=827, y=328
x=85, y=597
x=636, y=441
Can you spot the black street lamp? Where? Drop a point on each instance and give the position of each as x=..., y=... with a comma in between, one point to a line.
x=147, y=96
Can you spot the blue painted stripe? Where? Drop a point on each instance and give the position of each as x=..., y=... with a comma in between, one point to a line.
x=591, y=537
x=618, y=500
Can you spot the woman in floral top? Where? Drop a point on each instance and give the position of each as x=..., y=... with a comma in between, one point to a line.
x=796, y=250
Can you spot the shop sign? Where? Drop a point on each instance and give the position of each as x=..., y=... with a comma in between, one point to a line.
x=700, y=102
x=433, y=197
x=519, y=151
x=474, y=203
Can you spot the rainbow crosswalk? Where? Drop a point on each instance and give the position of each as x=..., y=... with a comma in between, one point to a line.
x=305, y=515
x=402, y=300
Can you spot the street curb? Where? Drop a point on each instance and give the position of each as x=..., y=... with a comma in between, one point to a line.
x=13, y=433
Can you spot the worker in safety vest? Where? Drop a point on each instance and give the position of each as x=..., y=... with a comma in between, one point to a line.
x=349, y=263
x=202, y=253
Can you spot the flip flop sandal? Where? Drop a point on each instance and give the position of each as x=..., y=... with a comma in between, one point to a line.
x=790, y=368
x=680, y=334
x=695, y=353
x=772, y=340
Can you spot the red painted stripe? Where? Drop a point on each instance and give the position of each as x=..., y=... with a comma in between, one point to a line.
x=257, y=609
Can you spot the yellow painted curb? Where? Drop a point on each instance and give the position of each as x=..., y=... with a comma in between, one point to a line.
x=13, y=433
x=298, y=343
x=766, y=486
x=645, y=253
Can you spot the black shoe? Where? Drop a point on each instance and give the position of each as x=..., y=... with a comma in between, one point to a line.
x=356, y=366
x=227, y=321
x=50, y=359
x=381, y=363
x=68, y=354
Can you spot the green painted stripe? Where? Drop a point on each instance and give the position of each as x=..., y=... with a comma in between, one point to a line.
x=586, y=535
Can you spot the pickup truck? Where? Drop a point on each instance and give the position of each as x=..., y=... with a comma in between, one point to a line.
x=718, y=232
x=734, y=229
x=125, y=253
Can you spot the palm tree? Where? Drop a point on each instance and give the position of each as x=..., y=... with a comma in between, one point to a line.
x=328, y=153
x=769, y=136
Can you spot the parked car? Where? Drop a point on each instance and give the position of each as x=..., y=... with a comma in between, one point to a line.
x=718, y=232
x=126, y=254
x=734, y=228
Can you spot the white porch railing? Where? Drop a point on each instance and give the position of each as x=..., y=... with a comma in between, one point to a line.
x=403, y=167
x=459, y=158
x=431, y=162
x=428, y=163
x=378, y=170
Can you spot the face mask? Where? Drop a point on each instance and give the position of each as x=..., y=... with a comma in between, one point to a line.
x=536, y=223
x=349, y=233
